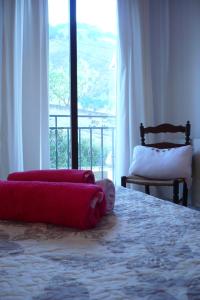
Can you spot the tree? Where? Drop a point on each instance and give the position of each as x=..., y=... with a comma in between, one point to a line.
x=58, y=86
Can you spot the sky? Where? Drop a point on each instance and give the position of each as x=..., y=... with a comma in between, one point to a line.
x=99, y=13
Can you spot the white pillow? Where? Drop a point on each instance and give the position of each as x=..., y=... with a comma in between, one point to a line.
x=162, y=163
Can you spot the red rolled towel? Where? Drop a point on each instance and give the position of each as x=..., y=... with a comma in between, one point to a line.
x=74, y=205
x=62, y=175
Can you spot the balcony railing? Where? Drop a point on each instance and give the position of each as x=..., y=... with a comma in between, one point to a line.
x=96, y=143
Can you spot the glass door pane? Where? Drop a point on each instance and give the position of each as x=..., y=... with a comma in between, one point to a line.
x=59, y=84
x=96, y=52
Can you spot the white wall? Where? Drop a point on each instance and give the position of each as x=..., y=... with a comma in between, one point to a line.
x=175, y=57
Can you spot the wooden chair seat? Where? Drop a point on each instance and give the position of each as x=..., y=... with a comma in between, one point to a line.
x=152, y=182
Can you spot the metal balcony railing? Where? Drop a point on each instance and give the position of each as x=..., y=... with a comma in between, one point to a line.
x=96, y=143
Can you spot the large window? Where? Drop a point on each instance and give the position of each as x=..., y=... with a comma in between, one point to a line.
x=95, y=83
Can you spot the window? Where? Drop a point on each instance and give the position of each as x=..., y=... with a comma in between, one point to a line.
x=96, y=69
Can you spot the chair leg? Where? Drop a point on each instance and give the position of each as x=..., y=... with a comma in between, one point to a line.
x=147, y=190
x=123, y=181
x=176, y=192
x=185, y=194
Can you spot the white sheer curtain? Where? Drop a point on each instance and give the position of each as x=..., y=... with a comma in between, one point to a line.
x=143, y=72
x=23, y=85
x=134, y=79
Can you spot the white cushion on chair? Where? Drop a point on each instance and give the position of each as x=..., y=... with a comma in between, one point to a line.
x=162, y=163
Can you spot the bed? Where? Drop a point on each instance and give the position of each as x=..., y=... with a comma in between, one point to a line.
x=146, y=249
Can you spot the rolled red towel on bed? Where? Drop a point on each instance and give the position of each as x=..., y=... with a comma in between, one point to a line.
x=62, y=175
x=74, y=205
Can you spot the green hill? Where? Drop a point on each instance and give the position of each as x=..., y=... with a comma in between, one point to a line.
x=96, y=67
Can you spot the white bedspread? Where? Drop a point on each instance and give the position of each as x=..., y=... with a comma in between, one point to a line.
x=147, y=249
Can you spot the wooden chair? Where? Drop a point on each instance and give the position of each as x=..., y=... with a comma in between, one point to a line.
x=146, y=182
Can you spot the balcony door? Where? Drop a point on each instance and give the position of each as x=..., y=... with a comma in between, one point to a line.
x=59, y=84
x=95, y=85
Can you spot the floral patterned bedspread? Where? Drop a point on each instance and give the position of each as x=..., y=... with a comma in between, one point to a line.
x=147, y=249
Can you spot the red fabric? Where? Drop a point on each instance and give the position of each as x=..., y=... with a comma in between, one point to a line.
x=63, y=175
x=67, y=204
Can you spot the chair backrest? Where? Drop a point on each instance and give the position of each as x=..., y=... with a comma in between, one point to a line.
x=165, y=128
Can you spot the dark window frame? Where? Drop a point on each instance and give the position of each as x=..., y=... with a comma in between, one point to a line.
x=73, y=84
